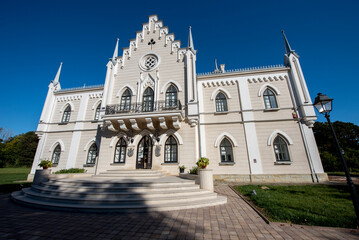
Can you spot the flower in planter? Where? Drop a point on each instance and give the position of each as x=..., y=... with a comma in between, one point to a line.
x=202, y=162
x=45, y=164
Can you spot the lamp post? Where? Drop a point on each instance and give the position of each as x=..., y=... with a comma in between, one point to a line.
x=324, y=105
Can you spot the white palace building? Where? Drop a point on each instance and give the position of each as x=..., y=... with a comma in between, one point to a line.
x=155, y=111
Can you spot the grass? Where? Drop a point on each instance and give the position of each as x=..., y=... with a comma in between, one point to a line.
x=319, y=205
x=9, y=175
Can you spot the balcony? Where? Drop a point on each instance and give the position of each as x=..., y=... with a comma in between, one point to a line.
x=139, y=116
x=159, y=106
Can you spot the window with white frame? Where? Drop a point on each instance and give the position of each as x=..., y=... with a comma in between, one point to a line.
x=120, y=151
x=226, y=151
x=171, y=96
x=66, y=115
x=97, y=112
x=281, y=149
x=171, y=153
x=126, y=101
x=221, y=103
x=270, y=100
x=56, y=154
x=92, y=154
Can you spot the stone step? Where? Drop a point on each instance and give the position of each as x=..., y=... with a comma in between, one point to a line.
x=128, y=176
x=117, y=195
x=134, y=189
x=130, y=200
x=127, y=193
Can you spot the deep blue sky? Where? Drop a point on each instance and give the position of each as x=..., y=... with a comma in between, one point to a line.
x=37, y=35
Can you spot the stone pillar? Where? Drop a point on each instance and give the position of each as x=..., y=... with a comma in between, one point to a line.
x=206, y=179
x=41, y=175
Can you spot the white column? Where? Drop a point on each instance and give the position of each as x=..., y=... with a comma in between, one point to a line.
x=76, y=136
x=250, y=131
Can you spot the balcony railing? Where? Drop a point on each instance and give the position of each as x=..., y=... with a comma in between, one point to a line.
x=144, y=107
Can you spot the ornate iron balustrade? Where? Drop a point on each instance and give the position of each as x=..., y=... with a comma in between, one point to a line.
x=143, y=107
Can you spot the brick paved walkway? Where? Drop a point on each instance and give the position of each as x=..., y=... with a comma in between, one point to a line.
x=234, y=220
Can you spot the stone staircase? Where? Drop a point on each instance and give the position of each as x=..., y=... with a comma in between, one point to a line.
x=119, y=191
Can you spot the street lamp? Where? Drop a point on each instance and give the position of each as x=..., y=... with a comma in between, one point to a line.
x=324, y=105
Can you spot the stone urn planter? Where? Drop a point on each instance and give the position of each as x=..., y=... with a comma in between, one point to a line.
x=206, y=179
x=41, y=175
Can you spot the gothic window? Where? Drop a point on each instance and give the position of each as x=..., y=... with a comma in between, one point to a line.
x=221, y=103
x=120, y=151
x=147, y=103
x=126, y=101
x=97, y=112
x=280, y=149
x=56, y=154
x=171, y=150
x=269, y=99
x=171, y=96
x=66, y=115
x=226, y=151
x=92, y=154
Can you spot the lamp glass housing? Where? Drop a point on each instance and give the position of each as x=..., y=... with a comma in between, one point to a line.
x=323, y=103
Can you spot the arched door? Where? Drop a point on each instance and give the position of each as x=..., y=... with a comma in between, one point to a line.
x=144, y=153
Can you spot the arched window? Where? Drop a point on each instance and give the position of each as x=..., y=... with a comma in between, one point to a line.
x=97, y=112
x=269, y=99
x=280, y=149
x=56, y=154
x=67, y=114
x=126, y=101
x=171, y=96
x=92, y=154
x=171, y=155
x=221, y=103
x=147, y=102
x=120, y=151
x=226, y=151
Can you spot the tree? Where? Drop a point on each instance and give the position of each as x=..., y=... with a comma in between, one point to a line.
x=18, y=151
x=348, y=137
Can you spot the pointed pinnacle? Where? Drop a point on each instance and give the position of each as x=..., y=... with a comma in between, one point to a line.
x=115, y=53
x=57, y=77
x=288, y=49
x=190, y=39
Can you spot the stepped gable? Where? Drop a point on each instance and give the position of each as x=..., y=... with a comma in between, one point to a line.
x=155, y=29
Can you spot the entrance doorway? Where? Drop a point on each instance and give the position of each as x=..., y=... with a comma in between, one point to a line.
x=144, y=153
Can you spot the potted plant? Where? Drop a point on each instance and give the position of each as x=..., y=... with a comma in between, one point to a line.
x=202, y=162
x=205, y=175
x=182, y=168
x=45, y=164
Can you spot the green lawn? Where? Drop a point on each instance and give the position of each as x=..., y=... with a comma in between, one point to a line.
x=319, y=205
x=9, y=175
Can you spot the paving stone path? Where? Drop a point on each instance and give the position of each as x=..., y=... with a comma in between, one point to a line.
x=234, y=220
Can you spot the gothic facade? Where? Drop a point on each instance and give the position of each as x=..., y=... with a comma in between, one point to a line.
x=155, y=111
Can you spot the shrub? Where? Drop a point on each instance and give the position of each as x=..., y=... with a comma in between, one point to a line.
x=194, y=170
x=71, y=170
x=202, y=162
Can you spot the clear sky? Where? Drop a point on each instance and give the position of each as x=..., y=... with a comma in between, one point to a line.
x=37, y=35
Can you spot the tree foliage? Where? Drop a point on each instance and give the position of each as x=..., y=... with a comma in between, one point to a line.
x=18, y=151
x=348, y=137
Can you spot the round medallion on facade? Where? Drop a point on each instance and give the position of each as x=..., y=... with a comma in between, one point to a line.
x=149, y=62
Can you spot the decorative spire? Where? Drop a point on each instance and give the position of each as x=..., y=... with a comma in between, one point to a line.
x=57, y=77
x=215, y=64
x=288, y=49
x=190, y=39
x=115, y=53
